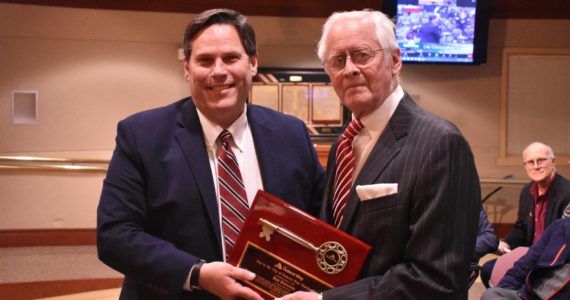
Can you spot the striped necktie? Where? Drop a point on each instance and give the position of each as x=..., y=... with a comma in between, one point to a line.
x=232, y=192
x=344, y=170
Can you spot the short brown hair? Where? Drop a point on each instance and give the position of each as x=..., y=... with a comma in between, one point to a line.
x=220, y=16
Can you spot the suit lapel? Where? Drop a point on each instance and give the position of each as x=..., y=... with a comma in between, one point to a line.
x=326, y=209
x=191, y=140
x=266, y=140
x=551, y=198
x=386, y=149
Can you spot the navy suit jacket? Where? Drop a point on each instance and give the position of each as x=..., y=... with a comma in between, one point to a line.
x=423, y=237
x=158, y=212
x=487, y=241
x=557, y=197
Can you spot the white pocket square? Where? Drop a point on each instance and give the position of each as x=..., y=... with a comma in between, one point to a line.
x=373, y=191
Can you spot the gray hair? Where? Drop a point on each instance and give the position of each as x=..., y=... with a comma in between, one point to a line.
x=385, y=30
x=549, y=150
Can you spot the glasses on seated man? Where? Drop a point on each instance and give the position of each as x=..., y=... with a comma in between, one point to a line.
x=532, y=163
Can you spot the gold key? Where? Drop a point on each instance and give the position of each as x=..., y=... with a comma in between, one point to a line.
x=332, y=257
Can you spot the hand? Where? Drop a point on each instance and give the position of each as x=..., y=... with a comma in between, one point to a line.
x=221, y=278
x=504, y=247
x=300, y=296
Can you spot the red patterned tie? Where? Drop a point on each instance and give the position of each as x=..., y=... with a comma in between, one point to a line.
x=232, y=192
x=344, y=170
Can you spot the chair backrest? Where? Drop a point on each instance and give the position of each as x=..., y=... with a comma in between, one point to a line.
x=474, y=270
x=504, y=263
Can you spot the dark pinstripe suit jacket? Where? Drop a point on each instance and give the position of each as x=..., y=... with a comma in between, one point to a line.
x=423, y=237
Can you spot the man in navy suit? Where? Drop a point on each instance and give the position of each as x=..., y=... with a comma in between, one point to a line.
x=159, y=219
x=415, y=194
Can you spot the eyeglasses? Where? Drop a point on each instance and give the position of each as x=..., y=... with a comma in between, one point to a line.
x=359, y=57
x=540, y=162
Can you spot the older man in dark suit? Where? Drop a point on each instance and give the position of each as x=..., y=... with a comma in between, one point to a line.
x=183, y=176
x=400, y=178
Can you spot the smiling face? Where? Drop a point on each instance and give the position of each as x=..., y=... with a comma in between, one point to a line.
x=361, y=88
x=219, y=73
x=539, y=163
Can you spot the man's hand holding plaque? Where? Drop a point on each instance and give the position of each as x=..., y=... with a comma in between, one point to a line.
x=290, y=250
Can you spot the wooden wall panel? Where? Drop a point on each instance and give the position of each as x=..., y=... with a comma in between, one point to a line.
x=47, y=237
x=499, y=9
x=41, y=289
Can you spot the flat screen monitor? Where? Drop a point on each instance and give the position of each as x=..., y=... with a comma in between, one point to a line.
x=441, y=31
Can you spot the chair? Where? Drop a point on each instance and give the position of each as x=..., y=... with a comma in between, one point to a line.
x=504, y=263
x=474, y=270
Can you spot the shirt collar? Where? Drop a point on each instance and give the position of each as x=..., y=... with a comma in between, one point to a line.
x=212, y=130
x=534, y=188
x=375, y=122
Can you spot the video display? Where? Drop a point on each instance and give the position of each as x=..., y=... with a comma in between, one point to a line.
x=436, y=30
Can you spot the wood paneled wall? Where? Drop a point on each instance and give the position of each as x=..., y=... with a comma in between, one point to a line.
x=499, y=9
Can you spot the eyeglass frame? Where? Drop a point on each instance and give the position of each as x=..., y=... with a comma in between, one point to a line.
x=540, y=162
x=349, y=56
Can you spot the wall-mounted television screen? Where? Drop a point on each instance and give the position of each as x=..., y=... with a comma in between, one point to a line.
x=441, y=31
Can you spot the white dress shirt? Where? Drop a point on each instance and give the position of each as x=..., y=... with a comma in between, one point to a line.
x=244, y=150
x=374, y=124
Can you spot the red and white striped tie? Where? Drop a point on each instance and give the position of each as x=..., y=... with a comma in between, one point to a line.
x=232, y=192
x=344, y=170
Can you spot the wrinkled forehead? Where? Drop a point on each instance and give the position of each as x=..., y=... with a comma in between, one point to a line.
x=352, y=25
x=351, y=32
x=537, y=151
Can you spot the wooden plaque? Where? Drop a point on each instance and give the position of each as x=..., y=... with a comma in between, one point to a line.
x=290, y=250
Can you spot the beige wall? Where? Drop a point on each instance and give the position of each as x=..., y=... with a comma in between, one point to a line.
x=92, y=68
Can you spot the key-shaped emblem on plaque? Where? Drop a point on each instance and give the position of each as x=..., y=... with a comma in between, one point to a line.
x=331, y=256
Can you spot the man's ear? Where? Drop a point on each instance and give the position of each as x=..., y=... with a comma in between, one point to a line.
x=396, y=62
x=186, y=70
x=253, y=64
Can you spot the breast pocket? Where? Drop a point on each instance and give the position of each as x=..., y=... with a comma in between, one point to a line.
x=379, y=204
x=378, y=219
